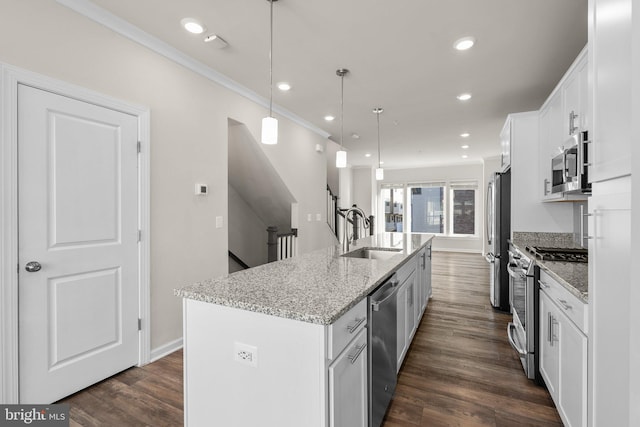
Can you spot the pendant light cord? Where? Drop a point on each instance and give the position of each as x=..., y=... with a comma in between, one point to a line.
x=341, y=110
x=271, y=61
x=378, y=118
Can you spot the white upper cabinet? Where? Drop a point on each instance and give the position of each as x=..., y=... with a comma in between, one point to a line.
x=610, y=75
x=562, y=115
x=575, y=98
x=551, y=137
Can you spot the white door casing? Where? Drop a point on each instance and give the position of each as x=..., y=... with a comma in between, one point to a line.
x=74, y=344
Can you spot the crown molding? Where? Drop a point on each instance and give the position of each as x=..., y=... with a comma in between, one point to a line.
x=101, y=16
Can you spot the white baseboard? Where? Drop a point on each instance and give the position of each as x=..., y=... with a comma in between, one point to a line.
x=163, y=350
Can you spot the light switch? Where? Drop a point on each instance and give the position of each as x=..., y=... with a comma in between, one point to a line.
x=309, y=217
x=219, y=222
x=318, y=217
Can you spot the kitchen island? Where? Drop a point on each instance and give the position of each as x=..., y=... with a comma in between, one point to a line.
x=283, y=343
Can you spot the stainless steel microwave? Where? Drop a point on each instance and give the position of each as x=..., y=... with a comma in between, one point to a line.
x=569, y=169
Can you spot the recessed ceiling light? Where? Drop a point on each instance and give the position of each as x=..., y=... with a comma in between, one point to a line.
x=464, y=43
x=464, y=96
x=284, y=86
x=465, y=135
x=192, y=25
x=367, y=155
x=329, y=118
x=464, y=147
x=382, y=163
x=464, y=156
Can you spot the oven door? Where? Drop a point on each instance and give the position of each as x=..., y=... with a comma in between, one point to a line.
x=521, y=331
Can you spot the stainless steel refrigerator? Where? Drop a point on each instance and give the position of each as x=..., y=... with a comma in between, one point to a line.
x=498, y=230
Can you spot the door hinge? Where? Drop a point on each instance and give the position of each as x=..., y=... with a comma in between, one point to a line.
x=139, y=324
x=139, y=147
x=139, y=235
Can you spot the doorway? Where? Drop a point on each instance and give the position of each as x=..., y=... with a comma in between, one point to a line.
x=75, y=215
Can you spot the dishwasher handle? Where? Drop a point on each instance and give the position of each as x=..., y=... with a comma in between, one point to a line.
x=387, y=291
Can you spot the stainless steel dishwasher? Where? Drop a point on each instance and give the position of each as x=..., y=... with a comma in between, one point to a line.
x=382, y=349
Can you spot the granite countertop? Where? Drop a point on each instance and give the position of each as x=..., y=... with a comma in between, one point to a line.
x=317, y=287
x=574, y=276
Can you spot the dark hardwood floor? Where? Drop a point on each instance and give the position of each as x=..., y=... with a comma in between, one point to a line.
x=460, y=369
x=146, y=396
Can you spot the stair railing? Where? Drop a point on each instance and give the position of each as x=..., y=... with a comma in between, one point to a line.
x=332, y=211
x=281, y=245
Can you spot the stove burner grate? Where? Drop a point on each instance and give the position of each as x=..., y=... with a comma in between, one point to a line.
x=560, y=254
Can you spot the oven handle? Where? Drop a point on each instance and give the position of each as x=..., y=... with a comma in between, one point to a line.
x=513, y=273
x=510, y=328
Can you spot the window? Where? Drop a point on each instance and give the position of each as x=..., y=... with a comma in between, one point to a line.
x=427, y=208
x=393, y=207
x=463, y=208
x=447, y=208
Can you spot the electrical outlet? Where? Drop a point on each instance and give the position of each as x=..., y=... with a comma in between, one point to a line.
x=245, y=354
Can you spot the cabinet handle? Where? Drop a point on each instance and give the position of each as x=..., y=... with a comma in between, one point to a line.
x=583, y=236
x=553, y=335
x=549, y=327
x=354, y=357
x=564, y=304
x=356, y=323
x=572, y=122
x=546, y=184
x=543, y=285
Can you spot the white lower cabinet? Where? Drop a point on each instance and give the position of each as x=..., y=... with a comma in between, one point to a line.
x=405, y=317
x=563, y=350
x=348, y=385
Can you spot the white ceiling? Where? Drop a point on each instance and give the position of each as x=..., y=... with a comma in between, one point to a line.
x=401, y=57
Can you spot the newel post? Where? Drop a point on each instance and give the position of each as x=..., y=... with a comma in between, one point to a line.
x=272, y=243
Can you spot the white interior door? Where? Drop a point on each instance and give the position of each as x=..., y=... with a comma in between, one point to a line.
x=78, y=227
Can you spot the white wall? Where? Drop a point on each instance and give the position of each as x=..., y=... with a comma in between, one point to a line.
x=247, y=232
x=363, y=195
x=333, y=179
x=466, y=172
x=188, y=142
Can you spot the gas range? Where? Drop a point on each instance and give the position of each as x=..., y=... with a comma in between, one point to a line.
x=560, y=254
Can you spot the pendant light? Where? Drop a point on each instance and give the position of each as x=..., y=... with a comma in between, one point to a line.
x=270, y=124
x=341, y=155
x=379, y=170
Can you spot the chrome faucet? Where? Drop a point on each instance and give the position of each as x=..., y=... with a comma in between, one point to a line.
x=346, y=238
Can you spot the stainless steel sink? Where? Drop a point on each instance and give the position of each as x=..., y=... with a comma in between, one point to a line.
x=373, y=253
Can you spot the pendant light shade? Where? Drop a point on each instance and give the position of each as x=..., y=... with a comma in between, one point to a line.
x=379, y=170
x=341, y=159
x=270, y=124
x=341, y=155
x=269, y=131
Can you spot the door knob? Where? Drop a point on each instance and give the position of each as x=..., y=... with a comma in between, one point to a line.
x=32, y=266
